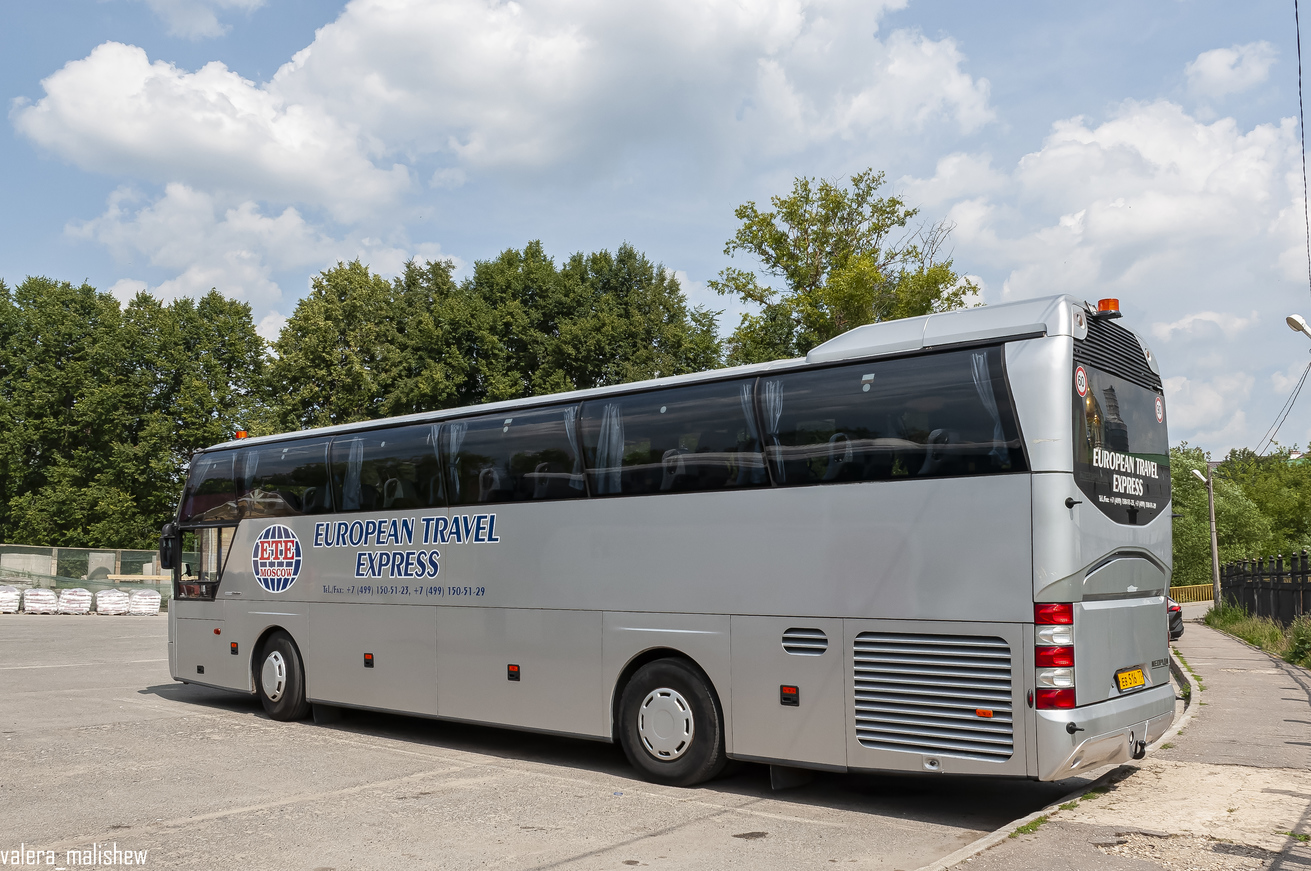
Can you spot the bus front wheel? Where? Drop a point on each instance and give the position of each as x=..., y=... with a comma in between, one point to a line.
x=671, y=726
x=280, y=679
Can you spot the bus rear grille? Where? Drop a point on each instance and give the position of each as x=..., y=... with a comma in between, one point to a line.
x=805, y=642
x=942, y=695
x=1112, y=348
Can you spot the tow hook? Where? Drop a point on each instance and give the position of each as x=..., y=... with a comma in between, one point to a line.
x=1139, y=749
x=1072, y=728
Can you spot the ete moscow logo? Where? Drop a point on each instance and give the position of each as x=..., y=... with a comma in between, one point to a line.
x=276, y=558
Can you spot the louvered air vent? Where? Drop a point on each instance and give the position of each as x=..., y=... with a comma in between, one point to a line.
x=805, y=642
x=945, y=695
x=1112, y=348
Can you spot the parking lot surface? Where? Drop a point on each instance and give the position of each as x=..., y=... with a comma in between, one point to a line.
x=102, y=750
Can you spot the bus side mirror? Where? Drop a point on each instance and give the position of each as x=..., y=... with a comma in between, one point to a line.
x=168, y=546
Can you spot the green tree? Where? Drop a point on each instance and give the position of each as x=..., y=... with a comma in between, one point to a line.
x=100, y=408
x=519, y=325
x=1243, y=529
x=846, y=257
x=338, y=354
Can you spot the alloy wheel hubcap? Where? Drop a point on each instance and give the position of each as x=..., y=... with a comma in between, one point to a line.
x=273, y=677
x=665, y=724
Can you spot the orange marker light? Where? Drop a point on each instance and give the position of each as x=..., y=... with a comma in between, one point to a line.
x=241, y=434
x=1108, y=305
x=986, y=713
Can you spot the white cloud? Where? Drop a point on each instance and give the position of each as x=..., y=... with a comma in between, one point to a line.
x=270, y=326
x=1209, y=409
x=1229, y=324
x=117, y=113
x=125, y=289
x=194, y=19
x=956, y=175
x=1223, y=71
x=539, y=86
x=234, y=247
x=1145, y=198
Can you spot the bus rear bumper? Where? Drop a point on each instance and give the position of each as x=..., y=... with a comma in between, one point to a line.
x=1107, y=732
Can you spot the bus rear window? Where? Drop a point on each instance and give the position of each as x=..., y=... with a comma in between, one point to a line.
x=1121, y=450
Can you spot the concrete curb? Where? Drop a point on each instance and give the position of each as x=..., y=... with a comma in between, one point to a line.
x=992, y=839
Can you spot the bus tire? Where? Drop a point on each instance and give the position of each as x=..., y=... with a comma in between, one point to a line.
x=280, y=679
x=670, y=724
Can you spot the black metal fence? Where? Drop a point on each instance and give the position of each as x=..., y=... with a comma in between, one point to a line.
x=1272, y=587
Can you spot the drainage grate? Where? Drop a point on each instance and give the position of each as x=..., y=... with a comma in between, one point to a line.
x=933, y=694
x=805, y=642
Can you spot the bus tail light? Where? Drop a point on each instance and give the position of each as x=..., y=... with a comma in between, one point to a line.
x=1050, y=700
x=1053, y=655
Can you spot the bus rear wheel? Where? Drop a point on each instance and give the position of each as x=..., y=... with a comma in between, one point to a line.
x=670, y=724
x=280, y=679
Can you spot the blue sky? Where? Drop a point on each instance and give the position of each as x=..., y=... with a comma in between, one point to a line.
x=1142, y=150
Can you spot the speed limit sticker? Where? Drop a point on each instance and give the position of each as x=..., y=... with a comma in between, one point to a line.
x=1081, y=383
x=1160, y=410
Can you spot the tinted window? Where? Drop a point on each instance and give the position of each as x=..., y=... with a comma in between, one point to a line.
x=513, y=457
x=676, y=440
x=210, y=495
x=1121, y=450
x=915, y=417
x=283, y=479
x=390, y=470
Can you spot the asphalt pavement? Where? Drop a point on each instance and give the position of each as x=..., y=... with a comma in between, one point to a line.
x=102, y=749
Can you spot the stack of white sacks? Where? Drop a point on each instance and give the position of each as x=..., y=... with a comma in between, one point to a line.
x=39, y=600
x=143, y=603
x=75, y=601
x=111, y=602
x=9, y=600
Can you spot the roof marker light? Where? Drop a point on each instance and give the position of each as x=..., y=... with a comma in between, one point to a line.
x=1108, y=308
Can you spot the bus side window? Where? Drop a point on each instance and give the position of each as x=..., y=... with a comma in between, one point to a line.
x=284, y=479
x=519, y=456
x=915, y=417
x=683, y=439
x=388, y=470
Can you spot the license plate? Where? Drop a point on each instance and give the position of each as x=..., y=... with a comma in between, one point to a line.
x=1130, y=679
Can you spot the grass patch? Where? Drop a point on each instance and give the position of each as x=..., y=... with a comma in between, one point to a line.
x=1168, y=745
x=1197, y=678
x=1069, y=805
x=1292, y=644
x=1029, y=828
x=1298, y=836
x=1094, y=793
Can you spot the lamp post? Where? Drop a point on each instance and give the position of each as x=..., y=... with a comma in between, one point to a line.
x=1215, y=550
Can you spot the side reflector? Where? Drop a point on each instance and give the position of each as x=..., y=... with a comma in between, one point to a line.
x=218, y=631
x=1051, y=700
x=1053, y=657
x=1048, y=613
x=512, y=672
x=986, y=713
x=790, y=696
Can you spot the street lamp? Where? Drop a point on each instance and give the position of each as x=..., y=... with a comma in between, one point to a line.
x=1210, y=504
x=1298, y=324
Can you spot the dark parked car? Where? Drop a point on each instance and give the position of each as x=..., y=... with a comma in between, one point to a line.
x=1175, y=617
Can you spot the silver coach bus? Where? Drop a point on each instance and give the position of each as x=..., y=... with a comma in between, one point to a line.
x=939, y=544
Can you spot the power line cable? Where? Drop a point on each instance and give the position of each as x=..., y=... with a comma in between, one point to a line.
x=1301, y=126
x=1268, y=439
